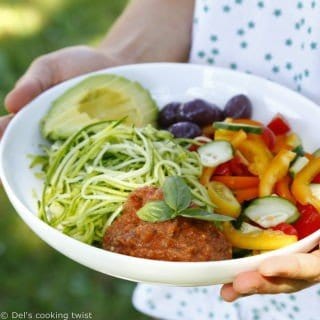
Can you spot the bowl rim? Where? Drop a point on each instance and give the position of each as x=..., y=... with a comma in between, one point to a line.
x=24, y=211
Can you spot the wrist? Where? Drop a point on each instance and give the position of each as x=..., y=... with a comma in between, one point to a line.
x=118, y=55
x=117, y=59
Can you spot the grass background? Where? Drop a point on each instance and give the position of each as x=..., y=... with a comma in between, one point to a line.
x=33, y=277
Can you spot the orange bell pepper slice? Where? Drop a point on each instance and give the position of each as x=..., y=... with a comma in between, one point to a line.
x=277, y=169
x=237, y=182
x=282, y=189
x=246, y=194
x=281, y=143
x=247, y=121
x=284, y=141
x=308, y=155
x=258, y=240
x=301, y=184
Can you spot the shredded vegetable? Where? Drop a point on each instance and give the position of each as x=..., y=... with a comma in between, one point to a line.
x=90, y=175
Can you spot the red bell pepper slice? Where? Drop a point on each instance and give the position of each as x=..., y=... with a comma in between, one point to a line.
x=223, y=169
x=238, y=168
x=308, y=222
x=279, y=125
x=286, y=228
x=316, y=179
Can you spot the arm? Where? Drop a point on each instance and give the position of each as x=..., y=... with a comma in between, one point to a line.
x=160, y=30
x=148, y=30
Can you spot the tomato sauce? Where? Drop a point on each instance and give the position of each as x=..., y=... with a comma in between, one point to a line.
x=179, y=239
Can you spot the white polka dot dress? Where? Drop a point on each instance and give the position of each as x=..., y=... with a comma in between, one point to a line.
x=278, y=40
x=204, y=303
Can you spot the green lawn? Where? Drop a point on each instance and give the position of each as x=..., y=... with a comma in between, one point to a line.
x=33, y=277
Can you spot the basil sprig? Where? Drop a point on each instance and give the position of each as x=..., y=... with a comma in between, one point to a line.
x=177, y=199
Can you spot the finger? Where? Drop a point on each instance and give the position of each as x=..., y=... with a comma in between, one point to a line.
x=53, y=68
x=253, y=282
x=4, y=121
x=228, y=293
x=38, y=78
x=303, y=266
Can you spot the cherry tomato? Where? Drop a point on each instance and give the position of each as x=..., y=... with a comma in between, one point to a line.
x=238, y=168
x=286, y=228
x=268, y=137
x=223, y=169
x=279, y=125
x=308, y=222
x=316, y=179
x=193, y=147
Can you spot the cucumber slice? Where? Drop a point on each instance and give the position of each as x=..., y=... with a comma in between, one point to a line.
x=298, y=165
x=315, y=190
x=223, y=199
x=214, y=153
x=270, y=211
x=238, y=126
x=299, y=150
x=316, y=153
x=248, y=228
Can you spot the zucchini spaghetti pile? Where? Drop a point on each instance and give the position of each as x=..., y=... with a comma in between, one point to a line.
x=89, y=176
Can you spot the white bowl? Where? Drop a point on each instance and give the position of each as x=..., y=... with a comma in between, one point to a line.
x=167, y=82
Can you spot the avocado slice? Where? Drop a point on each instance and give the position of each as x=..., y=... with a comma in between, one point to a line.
x=99, y=98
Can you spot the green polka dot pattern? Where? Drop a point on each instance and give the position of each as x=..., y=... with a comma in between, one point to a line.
x=205, y=303
x=274, y=39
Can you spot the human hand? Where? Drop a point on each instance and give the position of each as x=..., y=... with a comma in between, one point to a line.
x=282, y=274
x=4, y=121
x=51, y=69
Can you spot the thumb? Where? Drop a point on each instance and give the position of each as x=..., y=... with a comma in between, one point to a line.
x=4, y=121
x=38, y=78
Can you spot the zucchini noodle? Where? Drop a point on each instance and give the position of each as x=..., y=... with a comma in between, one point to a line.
x=90, y=175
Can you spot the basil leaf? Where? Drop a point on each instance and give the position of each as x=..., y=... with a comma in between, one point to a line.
x=196, y=213
x=176, y=193
x=156, y=211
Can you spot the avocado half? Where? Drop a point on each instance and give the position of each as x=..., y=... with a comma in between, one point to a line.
x=99, y=98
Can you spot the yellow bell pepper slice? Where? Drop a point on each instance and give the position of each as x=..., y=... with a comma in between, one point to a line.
x=223, y=198
x=258, y=155
x=292, y=140
x=234, y=137
x=257, y=240
x=277, y=169
x=238, y=138
x=222, y=134
x=207, y=172
x=301, y=184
